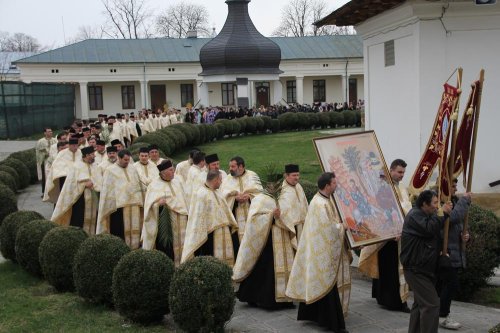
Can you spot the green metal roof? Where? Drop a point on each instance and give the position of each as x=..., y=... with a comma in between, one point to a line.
x=161, y=50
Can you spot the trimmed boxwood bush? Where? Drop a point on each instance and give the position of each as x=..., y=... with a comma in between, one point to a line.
x=324, y=119
x=201, y=295
x=275, y=125
x=267, y=122
x=243, y=125
x=336, y=119
x=22, y=170
x=303, y=121
x=202, y=128
x=260, y=124
x=57, y=251
x=9, y=228
x=236, y=127
x=211, y=132
x=349, y=118
x=8, y=202
x=7, y=179
x=250, y=125
x=221, y=130
x=28, y=157
x=228, y=126
x=310, y=189
x=28, y=239
x=313, y=119
x=288, y=121
x=482, y=252
x=93, y=267
x=11, y=171
x=177, y=136
x=141, y=282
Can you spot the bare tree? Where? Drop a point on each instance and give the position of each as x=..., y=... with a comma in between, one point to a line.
x=298, y=16
x=127, y=19
x=19, y=42
x=178, y=19
x=87, y=32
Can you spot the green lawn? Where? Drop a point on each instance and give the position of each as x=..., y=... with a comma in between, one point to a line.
x=28, y=304
x=259, y=150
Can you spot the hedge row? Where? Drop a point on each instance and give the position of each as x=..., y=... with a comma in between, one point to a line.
x=179, y=136
x=103, y=270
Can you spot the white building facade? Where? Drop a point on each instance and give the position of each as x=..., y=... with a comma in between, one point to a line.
x=410, y=50
x=110, y=78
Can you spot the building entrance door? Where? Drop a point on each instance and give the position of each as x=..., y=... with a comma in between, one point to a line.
x=158, y=96
x=262, y=96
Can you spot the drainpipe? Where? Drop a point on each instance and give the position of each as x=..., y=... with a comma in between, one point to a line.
x=145, y=85
x=346, y=81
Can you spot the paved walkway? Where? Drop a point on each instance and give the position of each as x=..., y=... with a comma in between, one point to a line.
x=365, y=316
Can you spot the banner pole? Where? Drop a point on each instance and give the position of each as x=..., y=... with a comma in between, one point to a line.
x=450, y=161
x=473, y=145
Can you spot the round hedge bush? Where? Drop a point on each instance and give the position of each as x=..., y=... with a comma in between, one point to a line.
x=243, y=124
x=9, y=228
x=275, y=125
x=11, y=171
x=336, y=119
x=349, y=118
x=288, y=121
x=310, y=189
x=202, y=129
x=324, y=119
x=201, y=295
x=93, y=267
x=141, y=282
x=482, y=252
x=267, y=122
x=221, y=130
x=22, y=170
x=236, y=127
x=57, y=251
x=7, y=179
x=28, y=157
x=303, y=121
x=178, y=136
x=211, y=132
x=8, y=201
x=260, y=124
x=28, y=239
x=250, y=125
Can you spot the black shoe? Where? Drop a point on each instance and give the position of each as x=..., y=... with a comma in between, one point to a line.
x=405, y=308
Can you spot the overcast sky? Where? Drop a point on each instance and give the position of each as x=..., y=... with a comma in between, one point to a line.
x=43, y=19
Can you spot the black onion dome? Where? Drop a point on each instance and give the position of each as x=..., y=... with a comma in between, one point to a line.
x=239, y=48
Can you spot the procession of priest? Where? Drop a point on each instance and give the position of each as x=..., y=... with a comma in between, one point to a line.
x=283, y=251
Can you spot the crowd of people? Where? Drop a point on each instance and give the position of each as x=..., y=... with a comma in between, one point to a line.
x=281, y=249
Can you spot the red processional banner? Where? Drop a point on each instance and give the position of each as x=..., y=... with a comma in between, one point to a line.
x=465, y=132
x=438, y=142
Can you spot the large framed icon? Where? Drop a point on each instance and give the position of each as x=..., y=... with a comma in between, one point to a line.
x=365, y=195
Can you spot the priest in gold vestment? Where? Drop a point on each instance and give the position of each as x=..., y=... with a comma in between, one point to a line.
x=63, y=163
x=77, y=205
x=165, y=192
x=239, y=189
x=381, y=261
x=191, y=184
x=211, y=228
x=111, y=158
x=121, y=201
x=293, y=202
x=42, y=152
x=320, y=277
x=146, y=169
x=265, y=256
x=182, y=168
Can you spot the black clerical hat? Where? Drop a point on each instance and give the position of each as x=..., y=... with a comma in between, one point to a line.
x=290, y=168
x=211, y=158
x=164, y=165
x=87, y=150
x=111, y=149
x=116, y=142
x=101, y=142
x=73, y=141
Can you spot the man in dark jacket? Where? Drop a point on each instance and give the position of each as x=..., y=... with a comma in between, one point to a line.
x=456, y=237
x=420, y=247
